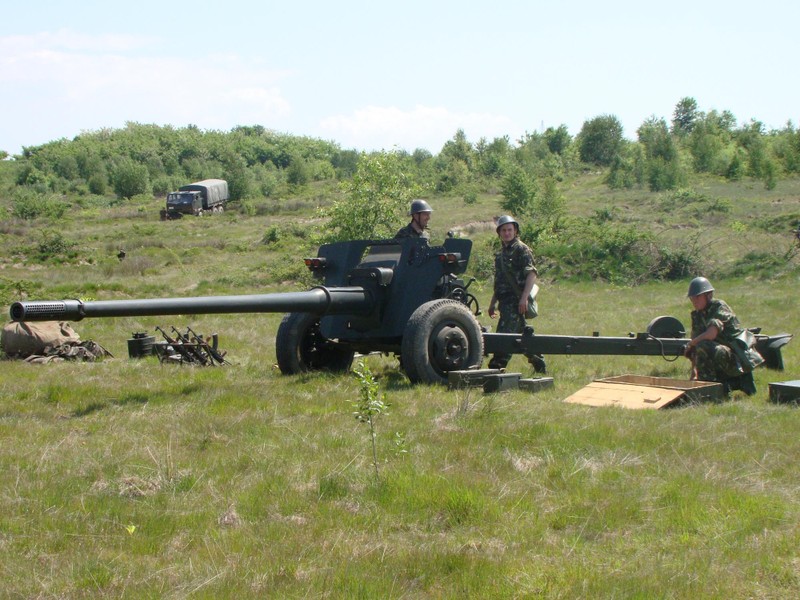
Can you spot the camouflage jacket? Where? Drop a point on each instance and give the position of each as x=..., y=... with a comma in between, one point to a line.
x=516, y=261
x=409, y=231
x=720, y=315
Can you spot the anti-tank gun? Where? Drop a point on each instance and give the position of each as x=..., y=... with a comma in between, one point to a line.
x=394, y=296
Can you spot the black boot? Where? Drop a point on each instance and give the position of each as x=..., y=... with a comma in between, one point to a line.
x=742, y=383
x=746, y=384
x=539, y=366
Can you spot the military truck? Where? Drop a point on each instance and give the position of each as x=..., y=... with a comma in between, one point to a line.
x=196, y=199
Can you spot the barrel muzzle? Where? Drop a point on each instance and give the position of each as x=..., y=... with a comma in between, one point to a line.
x=47, y=310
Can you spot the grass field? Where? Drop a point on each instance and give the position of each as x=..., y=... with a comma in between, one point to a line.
x=129, y=478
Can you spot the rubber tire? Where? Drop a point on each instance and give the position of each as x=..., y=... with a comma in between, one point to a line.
x=300, y=347
x=441, y=336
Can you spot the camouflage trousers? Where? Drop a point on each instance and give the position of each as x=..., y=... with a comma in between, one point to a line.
x=513, y=322
x=715, y=362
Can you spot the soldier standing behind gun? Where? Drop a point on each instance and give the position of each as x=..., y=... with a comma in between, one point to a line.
x=514, y=276
x=420, y=213
x=712, y=347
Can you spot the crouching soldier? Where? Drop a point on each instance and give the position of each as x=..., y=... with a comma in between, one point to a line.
x=721, y=349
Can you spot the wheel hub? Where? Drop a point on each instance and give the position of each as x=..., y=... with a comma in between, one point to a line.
x=450, y=348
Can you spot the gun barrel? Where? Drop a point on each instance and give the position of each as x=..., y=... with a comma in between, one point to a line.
x=319, y=300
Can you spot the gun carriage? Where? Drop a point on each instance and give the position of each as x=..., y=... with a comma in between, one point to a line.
x=394, y=296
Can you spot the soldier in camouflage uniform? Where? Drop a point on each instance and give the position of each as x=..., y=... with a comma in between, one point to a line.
x=714, y=328
x=514, y=276
x=420, y=213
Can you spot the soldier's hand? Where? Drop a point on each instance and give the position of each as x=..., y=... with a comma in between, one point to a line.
x=492, y=311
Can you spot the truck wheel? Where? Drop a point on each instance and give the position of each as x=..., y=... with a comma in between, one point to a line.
x=300, y=347
x=441, y=336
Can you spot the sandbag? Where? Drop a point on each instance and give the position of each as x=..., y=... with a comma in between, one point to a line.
x=25, y=339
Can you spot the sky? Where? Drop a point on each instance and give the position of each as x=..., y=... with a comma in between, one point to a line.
x=373, y=75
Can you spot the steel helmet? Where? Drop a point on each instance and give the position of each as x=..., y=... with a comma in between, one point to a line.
x=504, y=220
x=699, y=285
x=418, y=206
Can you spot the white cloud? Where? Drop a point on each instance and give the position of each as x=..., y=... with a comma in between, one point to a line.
x=78, y=83
x=382, y=128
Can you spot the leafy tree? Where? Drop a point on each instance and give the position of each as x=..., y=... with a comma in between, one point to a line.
x=377, y=199
x=662, y=162
x=455, y=163
x=769, y=173
x=518, y=190
x=549, y=203
x=239, y=178
x=532, y=150
x=129, y=178
x=98, y=184
x=735, y=170
x=656, y=139
x=421, y=155
x=459, y=149
x=600, y=140
x=627, y=168
x=751, y=138
x=684, y=116
x=706, y=146
x=786, y=148
x=67, y=166
x=492, y=155
x=297, y=174
x=345, y=163
x=558, y=140
x=29, y=174
x=453, y=173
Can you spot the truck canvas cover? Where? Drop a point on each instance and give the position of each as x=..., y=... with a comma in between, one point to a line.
x=216, y=190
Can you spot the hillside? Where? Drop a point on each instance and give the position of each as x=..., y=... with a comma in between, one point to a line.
x=130, y=478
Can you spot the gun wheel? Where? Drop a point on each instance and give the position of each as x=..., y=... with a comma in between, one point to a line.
x=300, y=347
x=441, y=336
x=666, y=327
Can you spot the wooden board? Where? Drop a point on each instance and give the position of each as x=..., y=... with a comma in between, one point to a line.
x=624, y=395
x=641, y=391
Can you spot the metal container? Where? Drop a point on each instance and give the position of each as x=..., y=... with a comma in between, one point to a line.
x=785, y=391
x=141, y=345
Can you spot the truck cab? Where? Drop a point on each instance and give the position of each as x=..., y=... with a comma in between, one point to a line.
x=184, y=203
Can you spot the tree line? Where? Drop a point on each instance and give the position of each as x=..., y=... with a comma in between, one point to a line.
x=257, y=162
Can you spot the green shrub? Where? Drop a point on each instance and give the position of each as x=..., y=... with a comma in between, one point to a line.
x=606, y=251
x=761, y=265
x=28, y=204
x=54, y=246
x=271, y=236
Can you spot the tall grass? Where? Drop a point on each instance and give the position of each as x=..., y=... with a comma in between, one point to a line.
x=131, y=478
